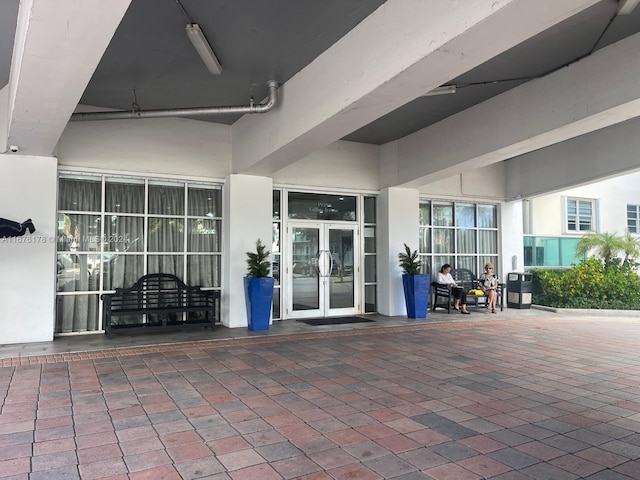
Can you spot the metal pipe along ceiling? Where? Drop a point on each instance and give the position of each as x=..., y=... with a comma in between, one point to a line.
x=184, y=112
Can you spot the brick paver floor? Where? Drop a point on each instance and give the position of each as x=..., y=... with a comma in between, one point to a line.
x=543, y=398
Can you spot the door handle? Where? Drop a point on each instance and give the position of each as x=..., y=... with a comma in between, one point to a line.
x=322, y=263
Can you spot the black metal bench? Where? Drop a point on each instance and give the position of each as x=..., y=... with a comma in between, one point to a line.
x=159, y=301
x=442, y=297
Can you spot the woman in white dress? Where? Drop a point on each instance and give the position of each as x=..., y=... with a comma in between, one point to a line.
x=489, y=285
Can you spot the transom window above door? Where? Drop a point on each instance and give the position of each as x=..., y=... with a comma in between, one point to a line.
x=320, y=206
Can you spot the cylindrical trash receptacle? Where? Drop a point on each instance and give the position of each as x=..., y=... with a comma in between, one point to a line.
x=519, y=288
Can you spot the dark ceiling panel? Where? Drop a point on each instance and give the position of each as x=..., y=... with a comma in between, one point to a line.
x=255, y=41
x=8, y=15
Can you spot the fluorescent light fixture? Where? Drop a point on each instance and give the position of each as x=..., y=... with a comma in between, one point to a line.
x=625, y=7
x=442, y=90
x=203, y=48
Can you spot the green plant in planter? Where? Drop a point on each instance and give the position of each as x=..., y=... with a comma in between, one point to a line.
x=259, y=288
x=414, y=284
x=409, y=261
x=258, y=263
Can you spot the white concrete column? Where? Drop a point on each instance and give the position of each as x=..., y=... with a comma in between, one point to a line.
x=512, y=254
x=398, y=221
x=4, y=117
x=57, y=48
x=28, y=263
x=248, y=213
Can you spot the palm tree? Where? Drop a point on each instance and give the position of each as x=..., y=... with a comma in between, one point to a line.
x=606, y=246
x=631, y=248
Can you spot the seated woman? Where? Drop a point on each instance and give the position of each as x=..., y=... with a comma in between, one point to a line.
x=459, y=294
x=489, y=285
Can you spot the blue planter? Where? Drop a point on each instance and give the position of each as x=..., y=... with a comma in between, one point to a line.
x=259, y=296
x=416, y=294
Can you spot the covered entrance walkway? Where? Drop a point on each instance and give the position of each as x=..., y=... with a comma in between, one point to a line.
x=525, y=395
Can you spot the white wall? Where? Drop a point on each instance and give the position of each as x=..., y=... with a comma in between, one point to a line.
x=4, y=118
x=340, y=165
x=27, y=272
x=546, y=215
x=175, y=146
x=487, y=183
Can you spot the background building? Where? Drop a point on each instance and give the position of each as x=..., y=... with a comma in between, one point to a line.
x=554, y=223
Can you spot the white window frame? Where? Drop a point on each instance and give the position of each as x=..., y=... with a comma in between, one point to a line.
x=565, y=215
x=634, y=220
x=480, y=258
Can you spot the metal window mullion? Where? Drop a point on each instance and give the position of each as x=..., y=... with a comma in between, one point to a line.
x=145, y=229
x=281, y=239
x=185, y=247
x=454, y=215
x=477, y=235
x=431, y=249
x=101, y=254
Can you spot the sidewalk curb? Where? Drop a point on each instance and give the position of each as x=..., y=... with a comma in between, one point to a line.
x=589, y=312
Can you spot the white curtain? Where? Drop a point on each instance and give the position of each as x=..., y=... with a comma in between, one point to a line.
x=77, y=233
x=203, y=237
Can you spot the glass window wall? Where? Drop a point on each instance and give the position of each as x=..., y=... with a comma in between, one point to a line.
x=113, y=230
x=464, y=235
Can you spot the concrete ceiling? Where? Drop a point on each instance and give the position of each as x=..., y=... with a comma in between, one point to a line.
x=150, y=61
x=572, y=39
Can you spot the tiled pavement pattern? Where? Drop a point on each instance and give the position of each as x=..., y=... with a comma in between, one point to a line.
x=544, y=398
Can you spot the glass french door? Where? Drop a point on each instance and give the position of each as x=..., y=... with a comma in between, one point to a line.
x=323, y=271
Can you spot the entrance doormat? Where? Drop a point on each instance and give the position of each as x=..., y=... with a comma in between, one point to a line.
x=333, y=320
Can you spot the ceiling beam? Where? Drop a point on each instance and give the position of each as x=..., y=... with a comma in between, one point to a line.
x=608, y=152
x=57, y=48
x=402, y=50
x=594, y=93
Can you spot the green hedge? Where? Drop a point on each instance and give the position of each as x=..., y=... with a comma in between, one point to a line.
x=588, y=285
